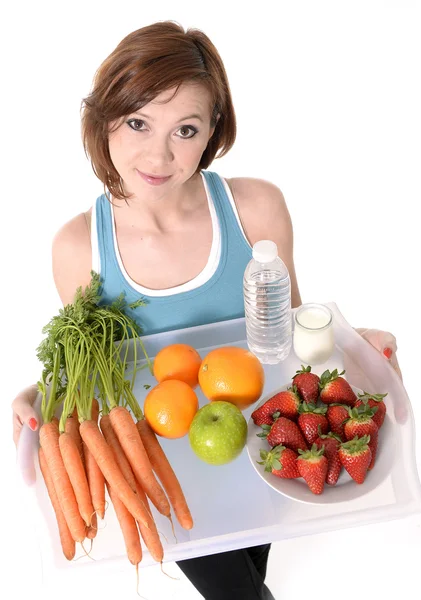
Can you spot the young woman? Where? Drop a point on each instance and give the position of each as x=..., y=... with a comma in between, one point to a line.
x=166, y=228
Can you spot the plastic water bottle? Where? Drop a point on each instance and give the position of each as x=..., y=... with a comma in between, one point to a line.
x=267, y=304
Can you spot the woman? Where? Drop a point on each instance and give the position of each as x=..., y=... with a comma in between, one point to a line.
x=166, y=229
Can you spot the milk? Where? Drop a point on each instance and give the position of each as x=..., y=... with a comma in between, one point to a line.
x=313, y=334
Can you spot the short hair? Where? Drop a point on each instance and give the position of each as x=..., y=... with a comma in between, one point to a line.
x=145, y=63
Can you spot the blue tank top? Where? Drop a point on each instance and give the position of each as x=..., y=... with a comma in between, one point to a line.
x=217, y=299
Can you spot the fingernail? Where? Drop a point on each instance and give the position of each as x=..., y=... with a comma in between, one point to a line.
x=33, y=423
x=388, y=352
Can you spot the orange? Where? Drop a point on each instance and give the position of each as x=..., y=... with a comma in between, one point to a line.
x=232, y=374
x=177, y=361
x=169, y=408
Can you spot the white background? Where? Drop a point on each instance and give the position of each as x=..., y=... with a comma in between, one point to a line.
x=327, y=97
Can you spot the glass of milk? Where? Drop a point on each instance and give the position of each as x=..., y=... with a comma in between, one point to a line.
x=313, y=333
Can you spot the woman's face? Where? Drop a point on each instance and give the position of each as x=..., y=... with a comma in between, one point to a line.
x=158, y=148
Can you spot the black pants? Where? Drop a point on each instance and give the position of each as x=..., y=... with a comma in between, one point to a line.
x=235, y=575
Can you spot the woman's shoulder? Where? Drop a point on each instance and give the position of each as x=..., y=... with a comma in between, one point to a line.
x=262, y=208
x=251, y=188
x=74, y=235
x=72, y=256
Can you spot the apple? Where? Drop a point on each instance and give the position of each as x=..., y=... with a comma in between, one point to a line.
x=218, y=432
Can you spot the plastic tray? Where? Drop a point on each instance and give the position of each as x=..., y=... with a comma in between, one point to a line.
x=231, y=505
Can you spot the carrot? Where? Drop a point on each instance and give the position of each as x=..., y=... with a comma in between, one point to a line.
x=163, y=469
x=95, y=477
x=71, y=427
x=105, y=460
x=112, y=440
x=49, y=440
x=130, y=441
x=67, y=542
x=150, y=535
x=128, y=527
x=76, y=472
x=96, y=482
x=92, y=530
x=95, y=410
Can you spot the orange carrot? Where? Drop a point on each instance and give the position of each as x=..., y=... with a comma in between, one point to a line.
x=92, y=530
x=67, y=542
x=105, y=460
x=150, y=535
x=96, y=482
x=112, y=440
x=95, y=410
x=49, y=440
x=71, y=427
x=163, y=469
x=76, y=472
x=135, y=452
x=128, y=528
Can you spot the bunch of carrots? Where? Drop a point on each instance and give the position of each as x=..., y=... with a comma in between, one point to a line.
x=90, y=449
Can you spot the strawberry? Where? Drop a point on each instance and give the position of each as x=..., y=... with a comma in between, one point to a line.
x=312, y=466
x=285, y=432
x=331, y=443
x=280, y=461
x=311, y=419
x=355, y=455
x=307, y=384
x=336, y=415
x=360, y=423
x=284, y=404
x=334, y=388
x=374, y=401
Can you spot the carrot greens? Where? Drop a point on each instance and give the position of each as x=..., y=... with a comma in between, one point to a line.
x=86, y=351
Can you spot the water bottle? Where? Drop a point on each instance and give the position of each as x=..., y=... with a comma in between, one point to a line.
x=267, y=304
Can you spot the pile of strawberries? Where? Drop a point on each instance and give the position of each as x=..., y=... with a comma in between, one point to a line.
x=317, y=426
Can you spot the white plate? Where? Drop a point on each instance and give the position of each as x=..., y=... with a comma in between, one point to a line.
x=346, y=488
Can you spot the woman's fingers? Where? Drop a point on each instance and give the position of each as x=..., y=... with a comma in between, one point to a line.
x=395, y=364
x=384, y=342
x=23, y=412
x=17, y=426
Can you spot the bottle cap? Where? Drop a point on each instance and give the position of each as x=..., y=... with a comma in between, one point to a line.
x=265, y=251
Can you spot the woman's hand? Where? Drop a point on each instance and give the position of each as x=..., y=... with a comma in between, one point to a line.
x=384, y=342
x=23, y=411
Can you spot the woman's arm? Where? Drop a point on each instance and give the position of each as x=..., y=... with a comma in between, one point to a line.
x=72, y=258
x=264, y=216
x=71, y=269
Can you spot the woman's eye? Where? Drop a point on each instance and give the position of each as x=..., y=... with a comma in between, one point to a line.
x=187, y=131
x=136, y=124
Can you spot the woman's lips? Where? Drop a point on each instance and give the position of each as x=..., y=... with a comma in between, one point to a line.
x=153, y=179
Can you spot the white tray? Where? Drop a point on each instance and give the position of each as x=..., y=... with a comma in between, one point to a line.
x=231, y=505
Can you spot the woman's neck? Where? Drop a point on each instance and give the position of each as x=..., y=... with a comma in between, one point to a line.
x=162, y=212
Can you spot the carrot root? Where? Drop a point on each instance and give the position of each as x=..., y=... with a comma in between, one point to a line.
x=71, y=427
x=165, y=472
x=128, y=527
x=67, y=542
x=150, y=536
x=129, y=438
x=76, y=472
x=105, y=460
x=49, y=440
x=113, y=442
x=170, y=576
x=96, y=482
x=93, y=529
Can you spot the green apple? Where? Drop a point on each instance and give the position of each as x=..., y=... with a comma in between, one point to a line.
x=218, y=432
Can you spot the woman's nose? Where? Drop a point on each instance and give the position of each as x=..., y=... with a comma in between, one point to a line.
x=159, y=153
